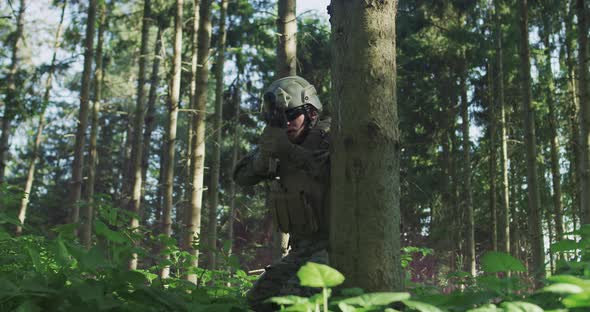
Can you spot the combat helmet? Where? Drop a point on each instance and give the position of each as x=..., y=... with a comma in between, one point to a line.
x=291, y=92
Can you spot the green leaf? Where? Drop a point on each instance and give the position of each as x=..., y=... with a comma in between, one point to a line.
x=421, y=306
x=28, y=306
x=35, y=258
x=563, y=288
x=520, y=306
x=565, y=245
x=377, y=299
x=288, y=300
x=569, y=279
x=103, y=230
x=350, y=292
x=494, y=262
x=486, y=308
x=577, y=300
x=319, y=275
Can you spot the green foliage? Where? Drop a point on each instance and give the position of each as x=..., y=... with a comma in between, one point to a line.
x=495, y=262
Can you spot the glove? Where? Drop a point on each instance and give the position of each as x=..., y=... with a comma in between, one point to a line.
x=274, y=141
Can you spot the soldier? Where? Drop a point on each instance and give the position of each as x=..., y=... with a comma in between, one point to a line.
x=292, y=157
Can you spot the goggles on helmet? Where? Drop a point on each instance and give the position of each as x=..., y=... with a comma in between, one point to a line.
x=292, y=113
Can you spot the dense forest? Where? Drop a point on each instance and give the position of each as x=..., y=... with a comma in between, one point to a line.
x=460, y=161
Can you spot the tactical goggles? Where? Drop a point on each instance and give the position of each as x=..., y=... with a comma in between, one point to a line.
x=292, y=113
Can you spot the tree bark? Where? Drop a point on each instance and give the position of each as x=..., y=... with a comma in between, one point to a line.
x=534, y=207
x=174, y=95
x=193, y=215
x=286, y=66
x=22, y=214
x=553, y=125
x=492, y=161
x=584, y=110
x=235, y=151
x=149, y=121
x=87, y=213
x=217, y=128
x=364, y=234
x=78, y=164
x=505, y=215
x=468, y=193
x=12, y=104
x=136, y=172
x=287, y=40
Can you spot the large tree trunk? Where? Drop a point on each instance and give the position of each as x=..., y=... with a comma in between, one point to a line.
x=12, y=105
x=584, y=110
x=286, y=66
x=217, y=128
x=22, y=214
x=364, y=234
x=193, y=215
x=555, y=174
x=174, y=94
x=534, y=207
x=136, y=172
x=88, y=209
x=504, y=225
x=78, y=164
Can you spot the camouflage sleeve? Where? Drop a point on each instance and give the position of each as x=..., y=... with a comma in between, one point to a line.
x=253, y=168
x=315, y=162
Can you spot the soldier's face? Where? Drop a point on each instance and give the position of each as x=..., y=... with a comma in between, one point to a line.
x=295, y=128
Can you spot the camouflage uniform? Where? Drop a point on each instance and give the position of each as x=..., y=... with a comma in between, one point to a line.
x=298, y=184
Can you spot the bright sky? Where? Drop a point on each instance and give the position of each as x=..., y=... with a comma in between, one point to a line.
x=318, y=5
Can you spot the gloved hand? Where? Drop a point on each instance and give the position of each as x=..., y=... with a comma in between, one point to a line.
x=274, y=141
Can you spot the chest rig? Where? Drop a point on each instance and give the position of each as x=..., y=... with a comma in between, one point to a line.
x=299, y=196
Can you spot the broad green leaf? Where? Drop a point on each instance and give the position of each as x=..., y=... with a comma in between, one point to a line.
x=354, y=291
x=376, y=299
x=520, y=306
x=346, y=307
x=300, y=307
x=421, y=306
x=288, y=300
x=563, y=288
x=103, y=230
x=486, y=308
x=569, y=279
x=577, y=300
x=319, y=275
x=494, y=262
x=35, y=258
x=565, y=245
x=28, y=306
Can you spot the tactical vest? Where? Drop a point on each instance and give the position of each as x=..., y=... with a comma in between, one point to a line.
x=299, y=198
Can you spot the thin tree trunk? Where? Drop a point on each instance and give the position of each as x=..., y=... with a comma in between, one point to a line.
x=78, y=164
x=364, y=234
x=217, y=128
x=136, y=172
x=12, y=105
x=150, y=117
x=584, y=110
x=22, y=214
x=87, y=213
x=193, y=224
x=192, y=139
x=286, y=66
x=492, y=162
x=555, y=175
x=574, y=109
x=174, y=93
x=505, y=224
x=235, y=151
x=534, y=212
x=468, y=194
